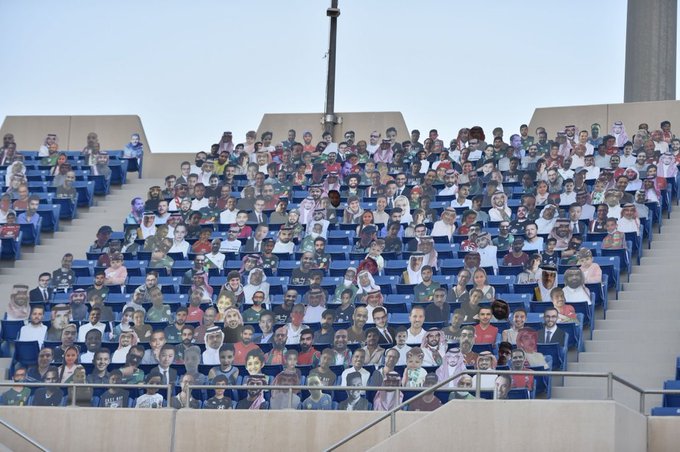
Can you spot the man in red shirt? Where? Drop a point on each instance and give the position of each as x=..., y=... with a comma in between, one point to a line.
x=485, y=333
x=245, y=345
x=307, y=350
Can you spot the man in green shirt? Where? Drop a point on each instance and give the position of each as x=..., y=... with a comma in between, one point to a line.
x=424, y=292
x=16, y=395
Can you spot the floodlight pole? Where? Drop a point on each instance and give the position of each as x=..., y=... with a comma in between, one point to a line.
x=329, y=117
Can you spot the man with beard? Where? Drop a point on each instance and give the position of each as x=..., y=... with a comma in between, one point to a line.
x=269, y=259
x=282, y=312
x=98, y=288
x=356, y=334
x=244, y=346
x=301, y=276
x=307, y=350
x=438, y=310
x=321, y=257
x=550, y=333
x=434, y=347
x=173, y=332
x=424, y=291
x=214, y=338
x=277, y=355
x=252, y=314
x=207, y=322
x=187, y=341
x=316, y=304
x=60, y=319
x=467, y=341
x=311, y=203
x=341, y=353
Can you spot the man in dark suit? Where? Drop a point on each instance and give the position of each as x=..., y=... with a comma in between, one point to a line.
x=402, y=189
x=257, y=215
x=420, y=232
x=165, y=359
x=43, y=292
x=550, y=334
x=254, y=244
x=388, y=335
x=266, y=326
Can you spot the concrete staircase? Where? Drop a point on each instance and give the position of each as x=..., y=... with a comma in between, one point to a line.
x=74, y=236
x=640, y=338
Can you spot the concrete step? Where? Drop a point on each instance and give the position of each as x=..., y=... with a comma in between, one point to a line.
x=642, y=346
x=611, y=357
x=632, y=314
x=635, y=325
x=627, y=336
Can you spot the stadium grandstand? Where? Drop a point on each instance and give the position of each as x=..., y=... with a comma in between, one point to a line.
x=298, y=261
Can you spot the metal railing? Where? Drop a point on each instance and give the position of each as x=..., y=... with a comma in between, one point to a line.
x=73, y=386
x=610, y=377
x=442, y=386
x=23, y=435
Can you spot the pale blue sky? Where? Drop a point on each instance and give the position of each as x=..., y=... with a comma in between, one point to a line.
x=194, y=69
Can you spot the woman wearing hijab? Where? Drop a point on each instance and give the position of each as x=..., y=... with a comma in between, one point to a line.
x=412, y=273
x=404, y=204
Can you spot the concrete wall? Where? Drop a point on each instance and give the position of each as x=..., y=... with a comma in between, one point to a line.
x=88, y=429
x=508, y=426
x=361, y=123
x=114, y=130
x=632, y=114
x=663, y=433
x=283, y=430
x=525, y=425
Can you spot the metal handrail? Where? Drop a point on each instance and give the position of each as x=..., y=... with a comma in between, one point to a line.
x=478, y=373
x=168, y=388
x=23, y=435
